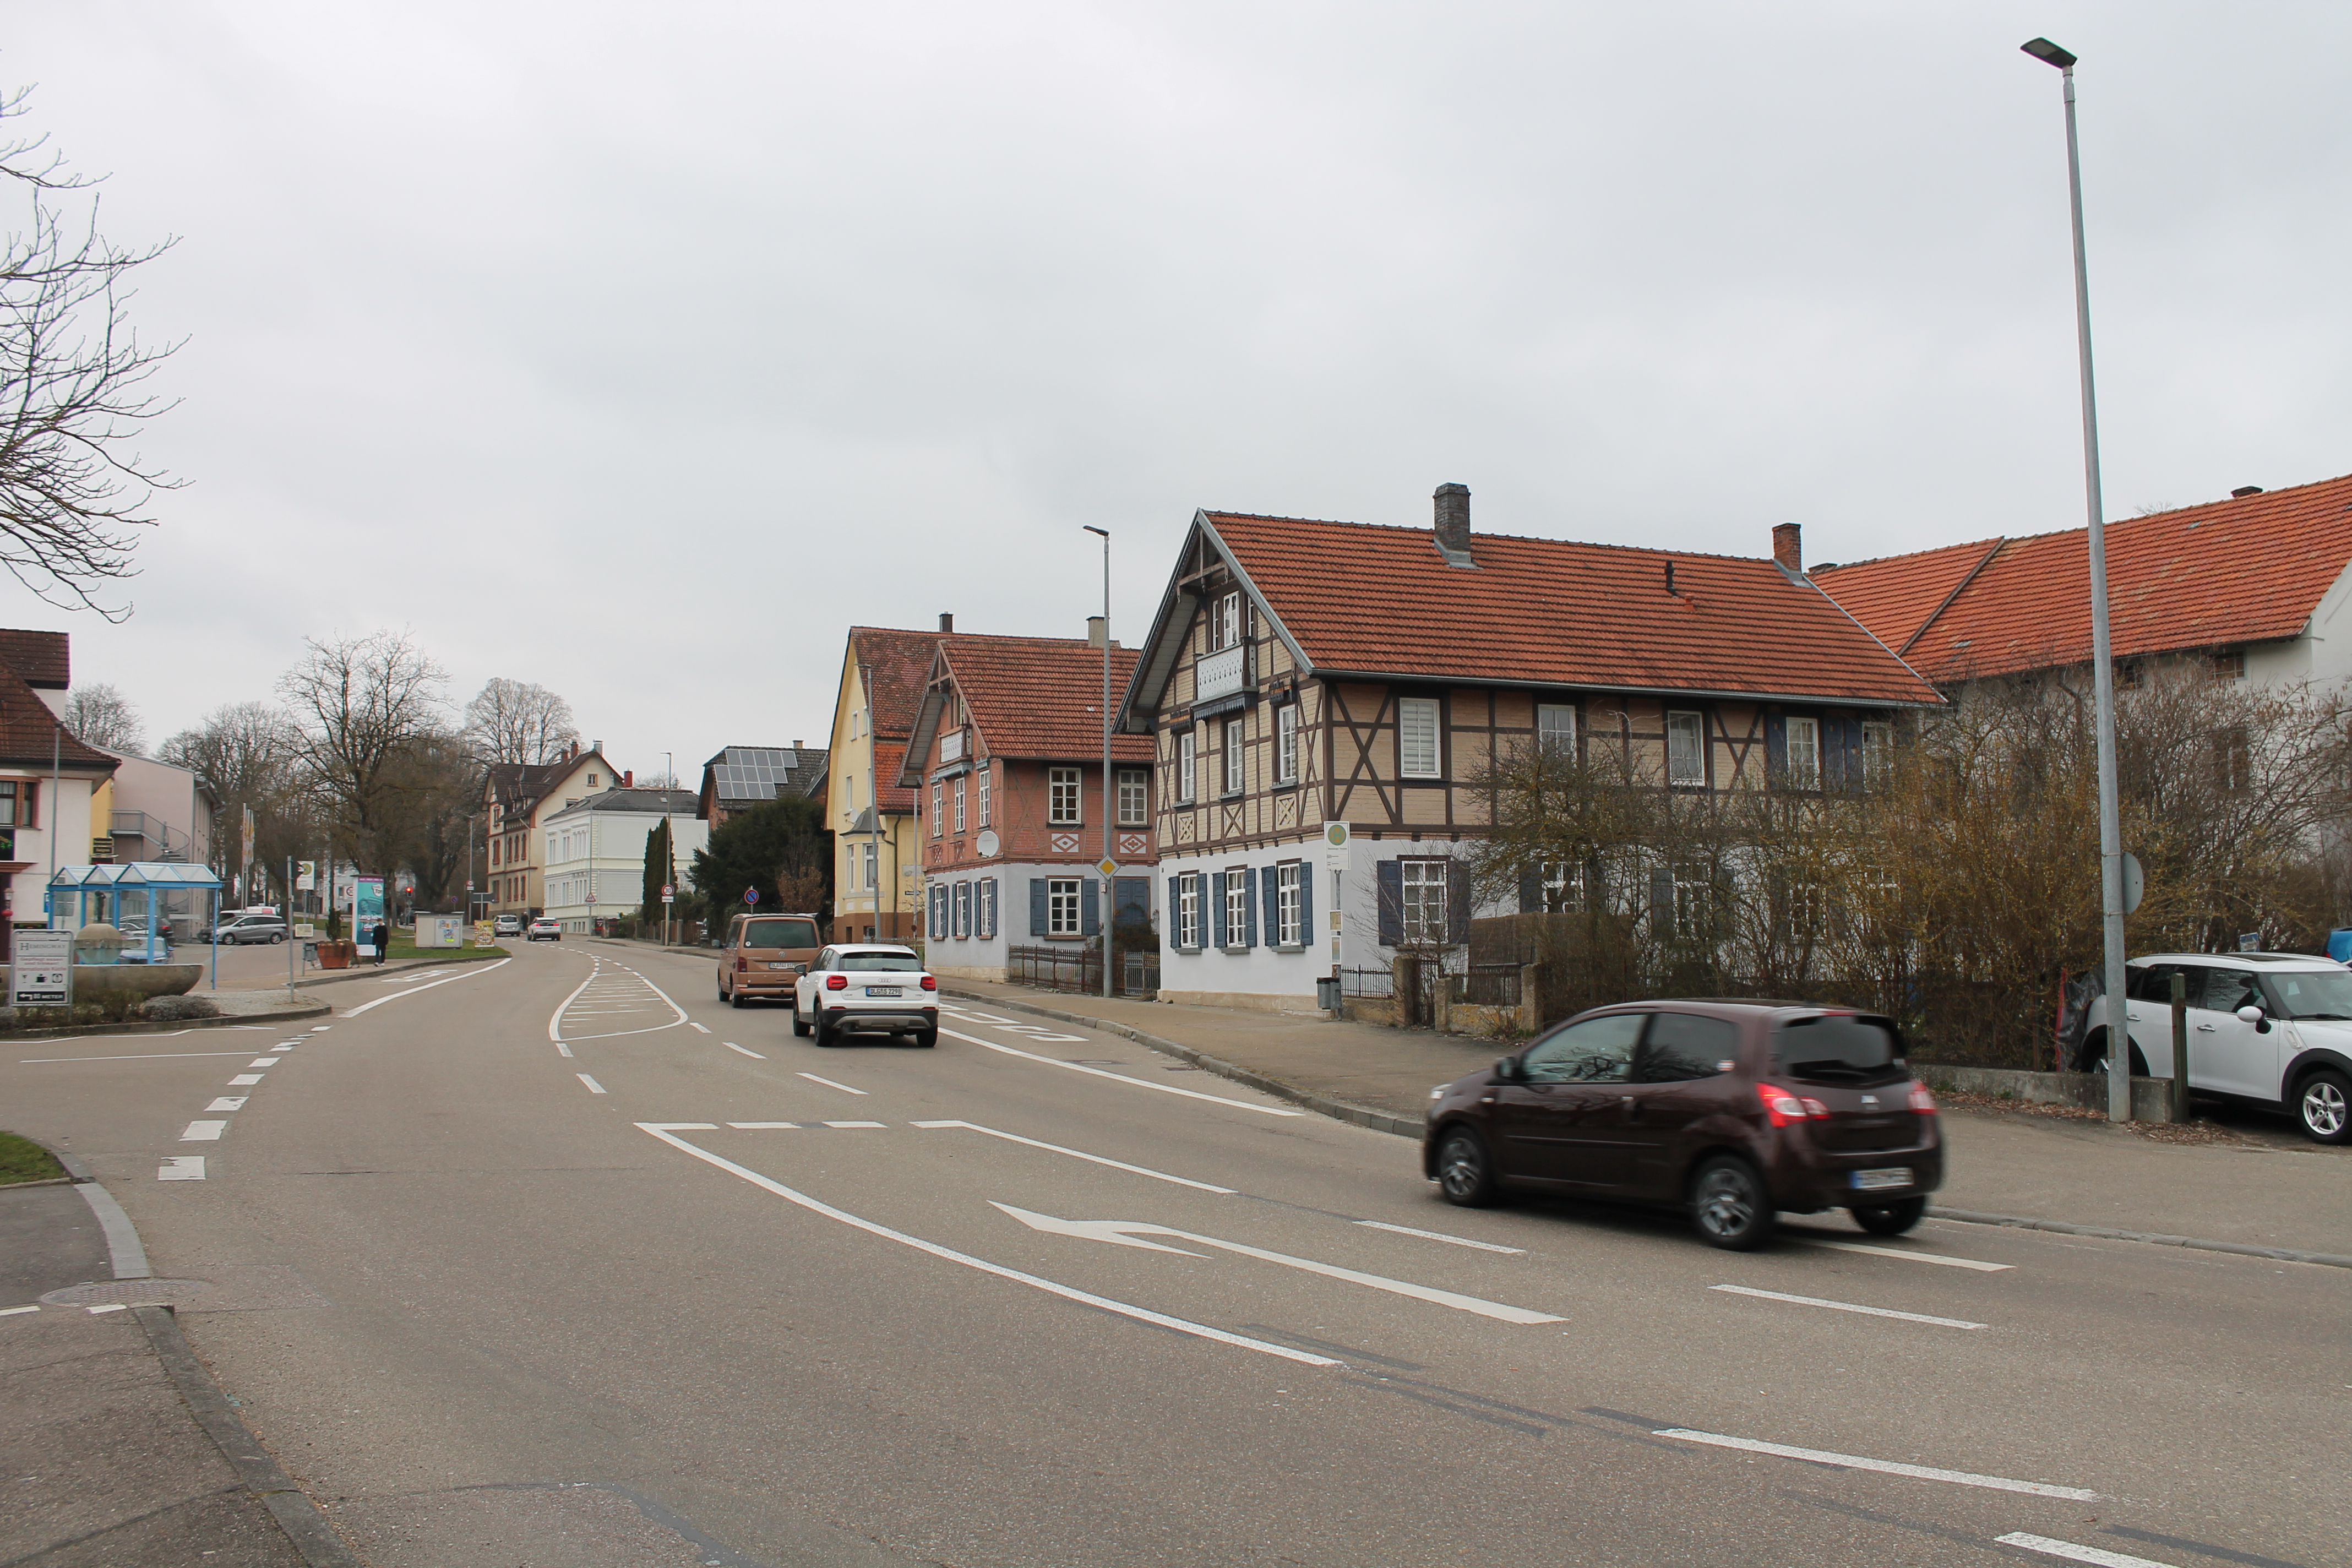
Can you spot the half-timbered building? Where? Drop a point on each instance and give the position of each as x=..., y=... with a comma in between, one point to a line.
x=1006, y=761
x=1301, y=674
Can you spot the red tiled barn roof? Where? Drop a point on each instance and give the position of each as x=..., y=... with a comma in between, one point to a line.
x=898, y=666
x=1041, y=697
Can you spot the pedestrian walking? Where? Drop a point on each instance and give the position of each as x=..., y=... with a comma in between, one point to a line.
x=383, y=940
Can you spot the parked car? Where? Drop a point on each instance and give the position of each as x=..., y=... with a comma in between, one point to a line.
x=866, y=988
x=2267, y=1029
x=1732, y=1111
x=547, y=928
x=506, y=925
x=240, y=929
x=762, y=956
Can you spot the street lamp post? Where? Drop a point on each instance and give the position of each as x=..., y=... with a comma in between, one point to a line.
x=2102, y=670
x=1109, y=887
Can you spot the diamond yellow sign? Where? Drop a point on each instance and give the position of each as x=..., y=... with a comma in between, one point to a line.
x=1108, y=867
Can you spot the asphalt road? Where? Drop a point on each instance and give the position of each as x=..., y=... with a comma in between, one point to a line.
x=559, y=1261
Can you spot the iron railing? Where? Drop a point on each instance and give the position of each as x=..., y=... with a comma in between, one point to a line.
x=1486, y=986
x=1380, y=983
x=1077, y=969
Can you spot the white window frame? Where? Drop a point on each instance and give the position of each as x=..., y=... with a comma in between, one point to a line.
x=1563, y=888
x=1188, y=764
x=986, y=790
x=938, y=818
x=1687, y=765
x=1225, y=622
x=1285, y=743
x=1134, y=798
x=1877, y=753
x=1065, y=791
x=1237, y=907
x=1803, y=749
x=872, y=868
x=1064, y=906
x=1421, y=917
x=959, y=804
x=1288, y=929
x=1556, y=729
x=962, y=910
x=1420, y=754
x=1236, y=749
x=984, y=912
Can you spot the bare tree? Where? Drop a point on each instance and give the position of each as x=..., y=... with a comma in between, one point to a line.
x=245, y=752
x=516, y=721
x=73, y=376
x=359, y=706
x=103, y=717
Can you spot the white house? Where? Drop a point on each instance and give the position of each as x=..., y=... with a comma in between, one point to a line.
x=595, y=850
x=46, y=776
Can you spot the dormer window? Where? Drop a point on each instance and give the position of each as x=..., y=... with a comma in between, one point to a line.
x=592, y=781
x=1225, y=622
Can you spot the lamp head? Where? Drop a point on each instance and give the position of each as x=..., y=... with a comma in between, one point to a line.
x=1090, y=527
x=2042, y=50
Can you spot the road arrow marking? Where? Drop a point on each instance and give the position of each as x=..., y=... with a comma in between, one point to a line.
x=1123, y=1233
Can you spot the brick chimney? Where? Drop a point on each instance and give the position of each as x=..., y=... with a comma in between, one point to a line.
x=1453, y=523
x=629, y=779
x=947, y=623
x=1789, y=546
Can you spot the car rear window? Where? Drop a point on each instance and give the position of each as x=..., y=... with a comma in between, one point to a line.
x=893, y=961
x=1838, y=1048
x=779, y=933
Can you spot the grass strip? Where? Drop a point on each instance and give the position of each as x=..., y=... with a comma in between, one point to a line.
x=21, y=1160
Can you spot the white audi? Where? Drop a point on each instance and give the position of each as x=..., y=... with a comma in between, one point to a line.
x=866, y=988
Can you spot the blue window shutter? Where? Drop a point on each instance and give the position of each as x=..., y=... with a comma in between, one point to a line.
x=1531, y=889
x=1134, y=901
x=1270, y=881
x=1036, y=905
x=1776, y=750
x=1850, y=749
x=1662, y=903
x=1089, y=906
x=1391, y=903
x=1249, y=907
x=1307, y=872
x=1216, y=909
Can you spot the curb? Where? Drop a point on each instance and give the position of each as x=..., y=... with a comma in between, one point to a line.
x=75, y=1170
x=170, y=1025
x=1322, y=1104
x=373, y=971
x=1382, y=1121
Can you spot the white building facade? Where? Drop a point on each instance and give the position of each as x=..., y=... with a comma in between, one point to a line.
x=595, y=851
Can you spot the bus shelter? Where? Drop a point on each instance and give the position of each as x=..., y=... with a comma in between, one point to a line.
x=125, y=896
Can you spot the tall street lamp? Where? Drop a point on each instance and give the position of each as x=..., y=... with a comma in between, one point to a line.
x=1109, y=887
x=2103, y=668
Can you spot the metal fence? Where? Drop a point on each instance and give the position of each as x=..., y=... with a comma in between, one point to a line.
x=1487, y=985
x=1141, y=975
x=1077, y=969
x=1380, y=983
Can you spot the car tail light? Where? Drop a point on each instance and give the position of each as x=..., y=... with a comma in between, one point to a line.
x=931, y=983
x=1813, y=1106
x=740, y=965
x=836, y=982
x=1782, y=1107
x=1921, y=1101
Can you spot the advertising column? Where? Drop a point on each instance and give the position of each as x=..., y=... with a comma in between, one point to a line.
x=367, y=913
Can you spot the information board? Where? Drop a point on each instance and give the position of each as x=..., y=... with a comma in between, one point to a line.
x=41, y=974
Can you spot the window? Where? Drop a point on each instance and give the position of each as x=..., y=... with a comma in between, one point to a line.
x=937, y=897
x=1134, y=798
x=985, y=914
x=870, y=867
x=1289, y=931
x=958, y=805
x=1188, y=912
x=1225, y=622
x=1234, y=753
x=1285, y=743
x=1188, y=751
x=1685, y=749
x=1417, y=737
x=1062, y=905
x=1877, y=753
x=939, y=818
x=962, y=909
x=1596, y=1050
x=1688, y=911
x=1805, y=767
x=2233, y=759
x=1681, y=1046
x=1563, y=888
x=592, y=781
x=1061, y=797
x=1237, y=907
x=1423, y=920
x=1556, y=729
x=2230, y=663
x=987, y=776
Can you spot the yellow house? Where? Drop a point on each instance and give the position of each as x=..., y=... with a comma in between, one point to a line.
x=878, y=870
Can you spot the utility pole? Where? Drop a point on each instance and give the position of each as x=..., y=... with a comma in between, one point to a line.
x=1109, y=861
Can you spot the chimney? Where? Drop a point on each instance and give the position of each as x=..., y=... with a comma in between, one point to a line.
x=1670, y=576
x=1789, y=546
x=800, y=745
x=947, y=623
x=1097, y=630
x=595, y=745
x=1453, y=523
x=2242, y=492
x=629, y=779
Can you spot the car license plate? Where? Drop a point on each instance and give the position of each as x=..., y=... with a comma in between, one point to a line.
x=893, y=991
x=1871, y=1181
x=779, y=966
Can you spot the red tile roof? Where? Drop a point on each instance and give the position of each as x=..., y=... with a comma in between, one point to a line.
x=1041, y=697
x=1361, y=597
x=2250, y=569
x=888, y=755
x=39, y=659
x=898, y=667
x=29, y=732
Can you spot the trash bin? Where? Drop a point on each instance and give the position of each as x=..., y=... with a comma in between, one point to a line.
x=1327, y=992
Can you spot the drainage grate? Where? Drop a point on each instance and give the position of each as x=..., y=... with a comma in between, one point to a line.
x=127, y=1293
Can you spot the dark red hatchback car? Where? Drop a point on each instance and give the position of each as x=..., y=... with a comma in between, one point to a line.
x=1734, y=1110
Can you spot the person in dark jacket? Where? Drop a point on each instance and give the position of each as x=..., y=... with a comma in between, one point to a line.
x=382, y=938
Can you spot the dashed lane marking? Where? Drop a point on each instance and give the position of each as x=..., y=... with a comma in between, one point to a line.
x=228, y=1102
x=562, y=1049
x=827, y=1082
x=1846, y=1307
x=1122, y=1077
x=1074, y=1155
x=265, y=1062
x=182, y=1168
x=13, y=1311
x=593, y=1086
x=1441, y=1236
x=753, y=1055
x=856, y=1124
x=204, y=1132
x=1948, y=1262
x=697, y=1029
x=245, y=1077
x=2073, y=1552
x=1884, y=1466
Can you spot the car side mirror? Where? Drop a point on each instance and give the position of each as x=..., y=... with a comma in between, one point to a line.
x=1506, y=1069
x=2249, y=1013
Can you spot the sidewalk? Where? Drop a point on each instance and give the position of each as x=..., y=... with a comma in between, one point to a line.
x=2242, y=1194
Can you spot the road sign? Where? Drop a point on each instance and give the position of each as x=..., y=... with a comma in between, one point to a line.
x=667, y=891
x=41, y=974
x=1108, y=867
x=2135, y=884
x=1334, y=845
x=751, y=895
x=469, y=886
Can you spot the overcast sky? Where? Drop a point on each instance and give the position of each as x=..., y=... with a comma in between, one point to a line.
x=638, y=351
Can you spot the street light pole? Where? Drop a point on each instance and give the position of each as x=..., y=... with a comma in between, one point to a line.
x=1109, y=887
x=2103, y=668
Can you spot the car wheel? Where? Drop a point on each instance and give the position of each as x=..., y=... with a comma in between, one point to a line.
x=2324, y=1106
x=735, y=998
x=278, y=938
x=800, y=1025
x=1891, y=1219
x=929, y=1039
x=1465, y=1175
x=1730, y=1204
x=824, y=1037
x=2095, y=1055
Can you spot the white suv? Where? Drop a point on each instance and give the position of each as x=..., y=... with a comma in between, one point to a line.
x=2271, y=1028
x=866, y=988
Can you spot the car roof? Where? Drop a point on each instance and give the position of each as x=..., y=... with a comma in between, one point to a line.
x=2275, y=960
x=873, y=947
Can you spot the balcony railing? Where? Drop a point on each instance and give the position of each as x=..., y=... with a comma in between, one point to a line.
x=1220, y=674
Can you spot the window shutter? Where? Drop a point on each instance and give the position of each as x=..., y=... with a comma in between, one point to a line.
x=1036, y=905
x=1132, y=902
x=1776, y=750
x=1662, y=901
x=1307, y=872
x=1249, y=907
x=1457, y=905
x=1531, y=889
x=1270, y=884
x=1089, y=906
x=1216, y=909
x=1391, y=903
x=1850, y=747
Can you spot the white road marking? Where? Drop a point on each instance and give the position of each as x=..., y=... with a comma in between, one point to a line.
x=320, y=1028
x=733, y=1046
x=664, y=1130
x=593, y=1086
x=1847, y=1307
x=1123, y=1233
x=110, y=1307
x=826, y=1081
x=228, y=1102
x=1080, y=1154
x=1441, y=1236
x=1905, y=1252
x=857, y=1124
x=182, y=1168
x=609, y=990
x=204, y=1132
x=697, y=1029
x=2073, y=1552
x=264, y=1062
x=756, y=1126
x=562, y=1049
x=420, y=990
x=245, y=1077
x=1885, y=1466
x=1122, y=1077
x=157, y=1057
x=12, y=1311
